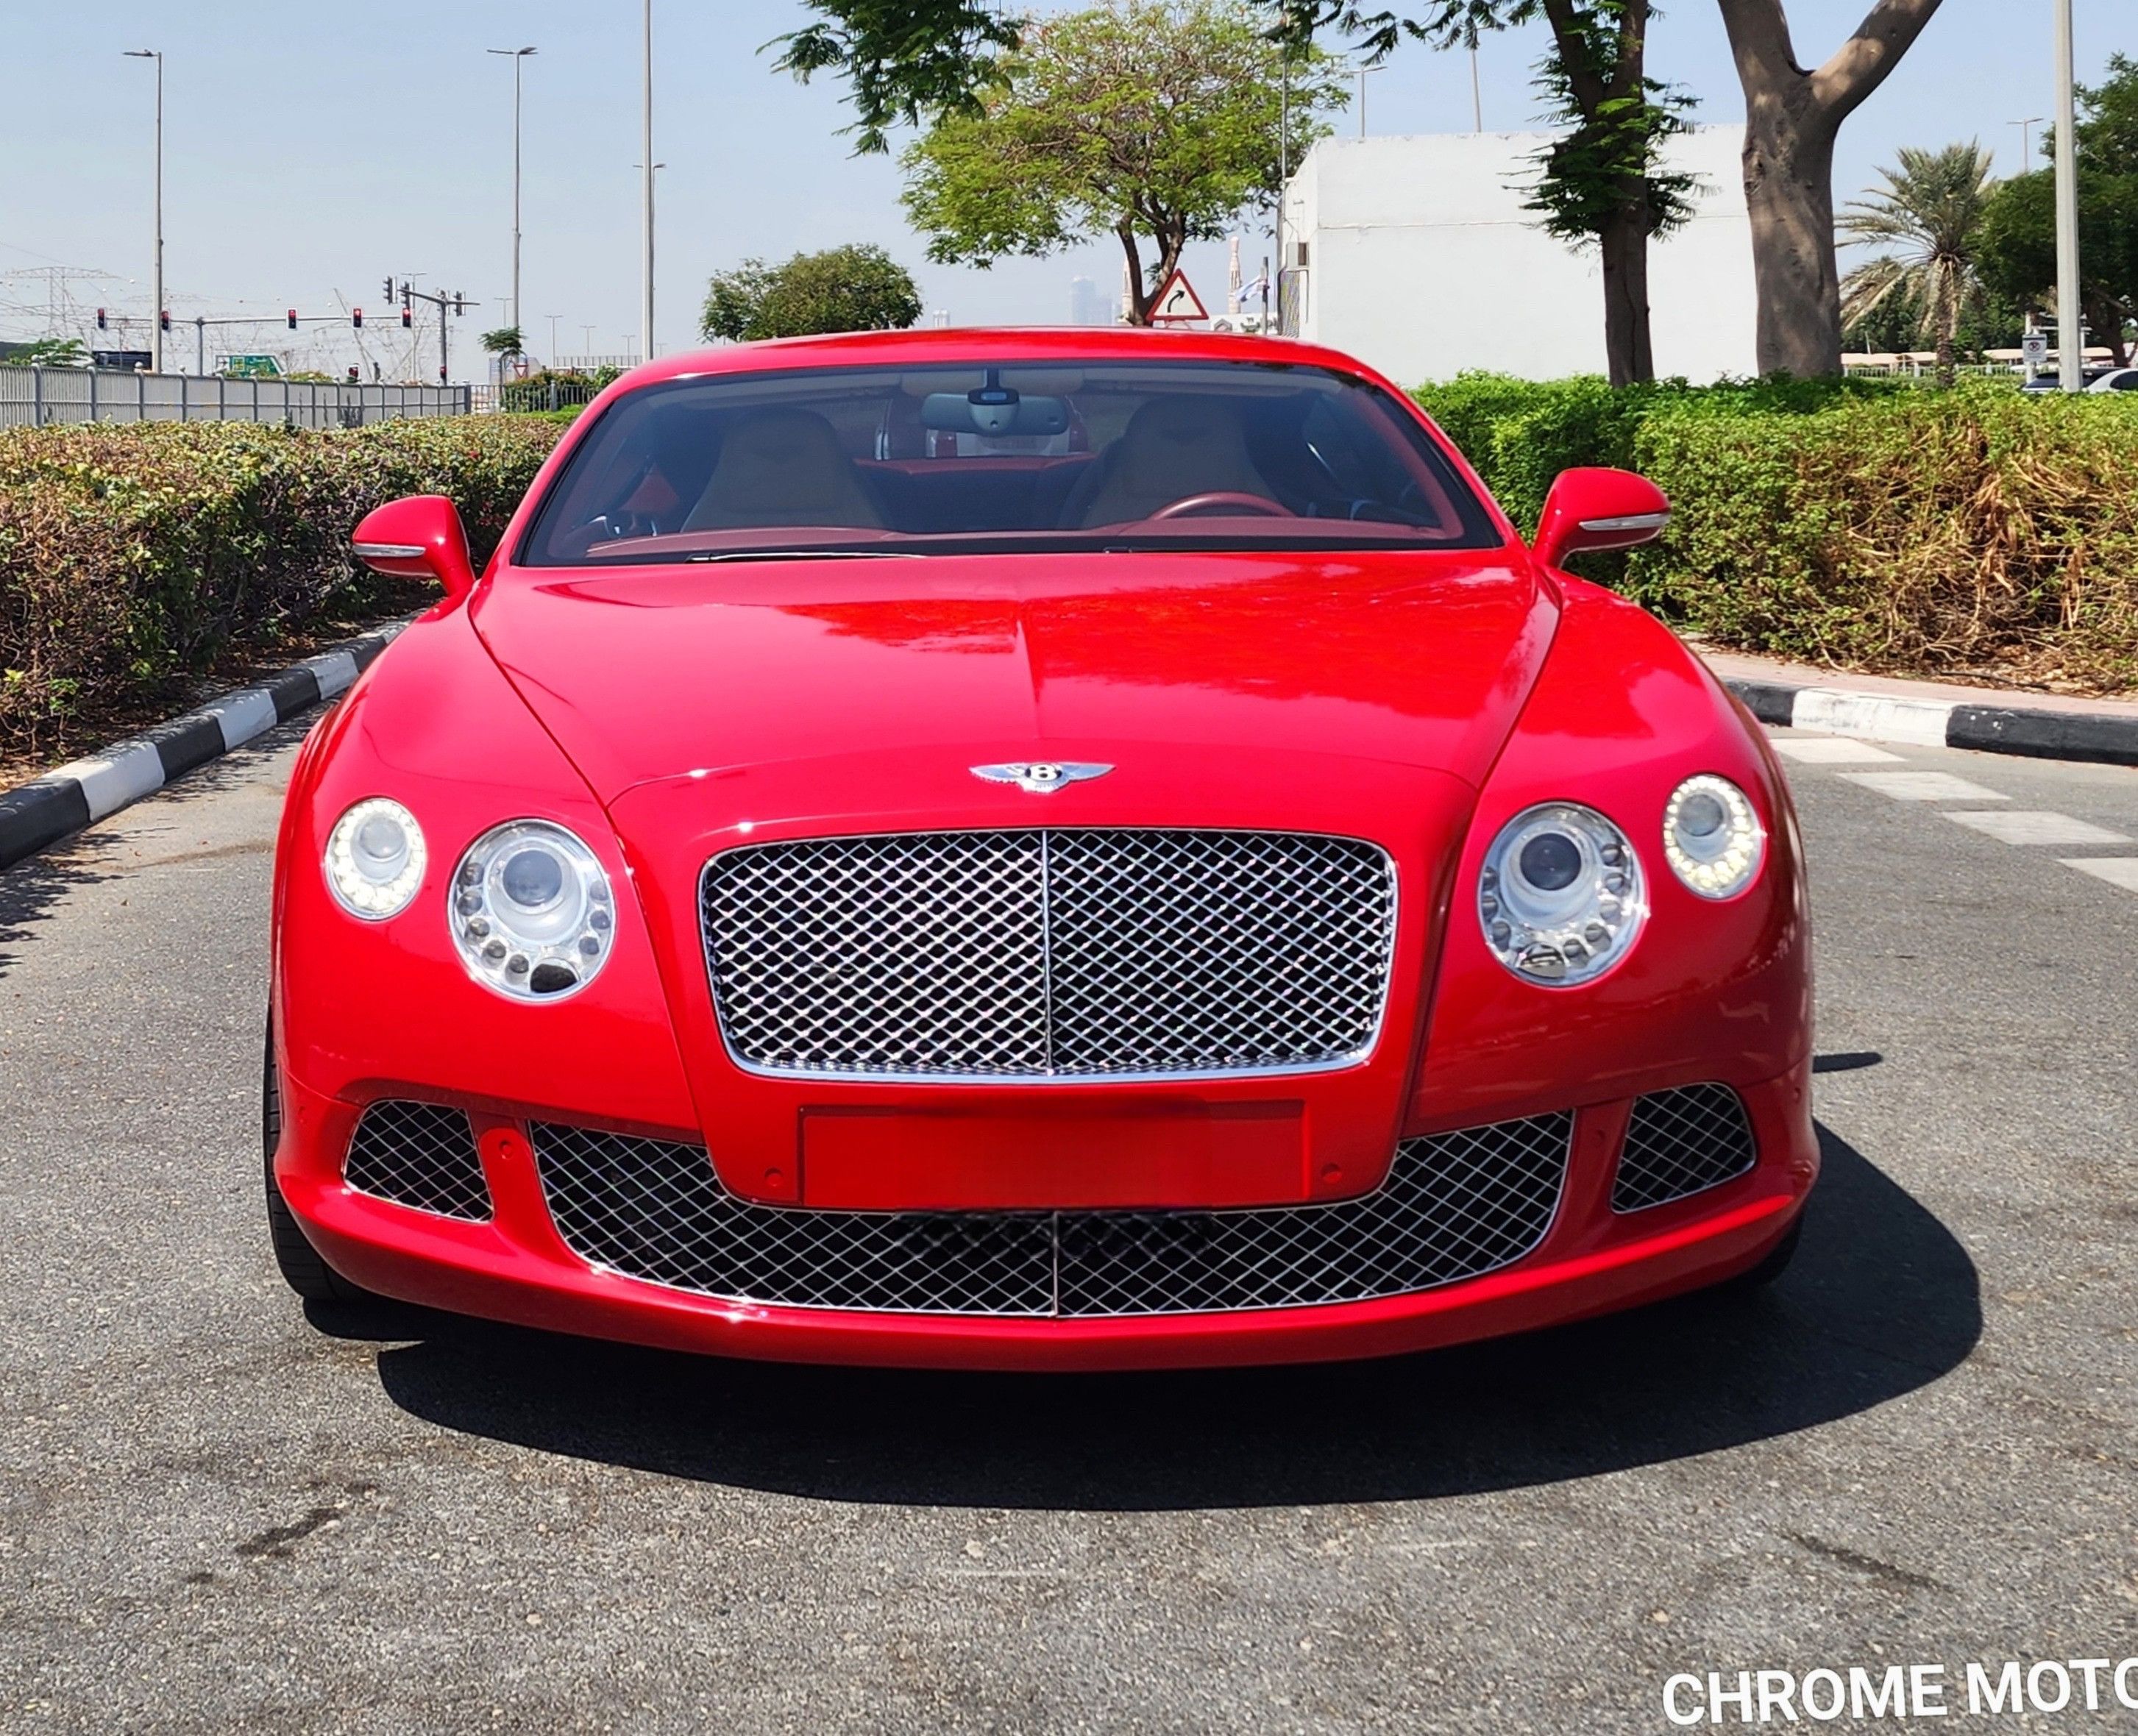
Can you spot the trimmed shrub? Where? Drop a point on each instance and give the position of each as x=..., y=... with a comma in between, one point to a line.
x=1868, y=524
x=134, y=556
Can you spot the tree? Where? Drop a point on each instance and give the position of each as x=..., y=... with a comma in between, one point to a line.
x=905, y=58
x=2018, y=243
x=849, y=289
x=1792, y=118
x=1154, y=121
x=1931, y=212
x=51, y=352
x=907, y=61
x=503, y=344
x=1602, y=181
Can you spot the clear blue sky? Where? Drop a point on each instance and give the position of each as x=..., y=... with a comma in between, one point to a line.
x=312, y=148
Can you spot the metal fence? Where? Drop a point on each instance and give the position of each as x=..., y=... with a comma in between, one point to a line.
x=30, y=396
x=535, y=394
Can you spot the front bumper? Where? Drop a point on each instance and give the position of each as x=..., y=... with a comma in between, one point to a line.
x=518, y=1267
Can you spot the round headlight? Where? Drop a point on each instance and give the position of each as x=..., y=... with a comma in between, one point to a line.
x=1712, y=838
x=531, y=911
x=1561, y=896
x=375, y=858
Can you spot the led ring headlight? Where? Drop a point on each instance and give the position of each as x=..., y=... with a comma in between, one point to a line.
x=531, y=911
x=1712, y=838
x=1561, y=896
x=375, y=859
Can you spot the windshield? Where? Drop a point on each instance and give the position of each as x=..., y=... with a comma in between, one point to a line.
x=1021, y=456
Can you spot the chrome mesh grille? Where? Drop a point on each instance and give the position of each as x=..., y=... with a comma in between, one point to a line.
x=1453, y=1206
x=1030, y=953
x=1680, y=1142
x=418, y=1154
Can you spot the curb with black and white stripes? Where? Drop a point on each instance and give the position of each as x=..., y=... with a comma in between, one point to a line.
x=62, y=802
x=2035, y=734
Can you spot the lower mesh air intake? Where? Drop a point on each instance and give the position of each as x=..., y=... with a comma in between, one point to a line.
x=418, y=1154
x=1680, y=1142
x=1454, y=1206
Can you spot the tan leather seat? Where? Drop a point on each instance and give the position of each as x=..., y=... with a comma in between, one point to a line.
x=783, y=467
x=1172, y=448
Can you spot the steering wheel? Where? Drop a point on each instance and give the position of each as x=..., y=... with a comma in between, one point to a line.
x=1196, y=506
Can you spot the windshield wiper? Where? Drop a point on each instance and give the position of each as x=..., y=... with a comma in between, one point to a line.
x=804, y=554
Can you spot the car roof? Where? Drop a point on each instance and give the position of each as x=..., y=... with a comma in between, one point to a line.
x=993, y=344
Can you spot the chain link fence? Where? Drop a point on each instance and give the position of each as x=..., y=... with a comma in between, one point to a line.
x=32, y=395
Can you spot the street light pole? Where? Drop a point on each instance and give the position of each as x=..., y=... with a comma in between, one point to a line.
x=646, y=160
x=2071, y=331
x=2026, y=139
x=1283, y=165
x=515, y=55
x=1362, y=73
x=156, y=313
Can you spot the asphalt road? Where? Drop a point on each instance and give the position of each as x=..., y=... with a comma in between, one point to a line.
x=217, y=1513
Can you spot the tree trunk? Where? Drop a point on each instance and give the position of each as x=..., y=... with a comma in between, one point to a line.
x=1791, y=119
x=1788, y=192
x=1949, y=294
x=1627, y=336
x=1139, y=301
x=2104, y=315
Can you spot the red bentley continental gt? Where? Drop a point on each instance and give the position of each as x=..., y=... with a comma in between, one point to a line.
x=1033, y=849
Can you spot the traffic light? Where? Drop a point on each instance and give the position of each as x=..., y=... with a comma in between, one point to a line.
x=102, y=324
x=356, y=318
x=460, y=303
x=441, y=373
x=164, y=319
x=293, y=319
x=388, y=291
x=408, y=317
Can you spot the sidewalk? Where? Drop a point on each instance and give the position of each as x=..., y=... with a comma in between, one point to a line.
x=1742, y=666
x=1930, y=713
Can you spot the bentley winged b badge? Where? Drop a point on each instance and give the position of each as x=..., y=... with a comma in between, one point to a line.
x=1043, y=777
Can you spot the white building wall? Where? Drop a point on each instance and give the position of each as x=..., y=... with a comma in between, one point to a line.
x=1421, y=262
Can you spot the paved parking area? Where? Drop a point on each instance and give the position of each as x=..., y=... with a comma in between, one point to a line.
x=217, y=1513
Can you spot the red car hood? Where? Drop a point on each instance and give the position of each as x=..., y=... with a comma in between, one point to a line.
x=656, y=673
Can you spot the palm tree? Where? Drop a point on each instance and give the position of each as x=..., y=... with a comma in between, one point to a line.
x=503, y=343
x=1930, y=212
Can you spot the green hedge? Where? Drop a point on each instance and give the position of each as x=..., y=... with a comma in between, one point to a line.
x=132, y=557
x=1864, y=524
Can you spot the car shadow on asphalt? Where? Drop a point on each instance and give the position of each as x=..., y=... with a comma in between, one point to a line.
x=1882, y=1300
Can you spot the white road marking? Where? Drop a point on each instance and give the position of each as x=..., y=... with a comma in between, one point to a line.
x=1833, y=750
x=2118, y=870
x=1923, y=786
x=1921, y=723
x=2038, y=828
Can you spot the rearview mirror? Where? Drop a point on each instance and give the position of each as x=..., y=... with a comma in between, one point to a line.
x=979, y=413
x=419, y=537
x=1599, y=508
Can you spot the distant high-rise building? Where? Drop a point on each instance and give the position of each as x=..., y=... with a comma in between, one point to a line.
x=1084, y=306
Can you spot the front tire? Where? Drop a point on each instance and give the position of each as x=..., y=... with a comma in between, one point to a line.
x=302, y=1268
